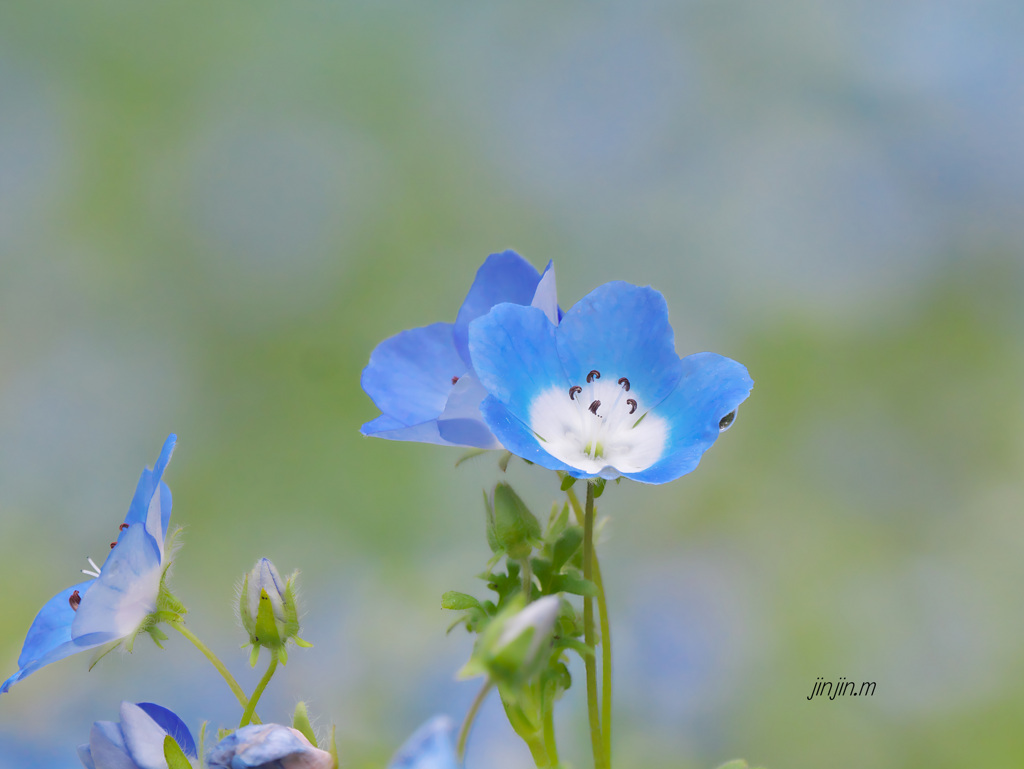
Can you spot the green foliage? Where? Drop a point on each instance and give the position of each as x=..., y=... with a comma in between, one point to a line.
x=300, y=721
x=174, y=755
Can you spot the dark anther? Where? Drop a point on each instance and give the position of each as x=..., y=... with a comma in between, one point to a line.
x=74, y=599
x=632, y=404
x=573, y=390
x=595, y=374
x=112, y=545
x=726, y=422
x=594, y=406
x=123, y=526
x=455, y=379
x=625, y=383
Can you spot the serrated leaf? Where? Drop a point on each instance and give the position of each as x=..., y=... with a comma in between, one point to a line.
x=457, y=601
x=300, y=721
x=174, y=755
x=571, y=583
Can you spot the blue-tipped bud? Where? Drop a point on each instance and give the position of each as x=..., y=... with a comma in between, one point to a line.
x=268, y=610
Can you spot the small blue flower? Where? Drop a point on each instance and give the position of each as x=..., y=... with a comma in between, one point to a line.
x=138, y=741
x=603, y=393
x=422, y=379
x=432, y=746
x=267, y=746
x=120, y=596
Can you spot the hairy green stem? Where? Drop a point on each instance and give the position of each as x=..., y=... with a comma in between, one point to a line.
x=471, y=714
x=250, y=709
x=597, y=741
x=549, y=733
x=215, y=661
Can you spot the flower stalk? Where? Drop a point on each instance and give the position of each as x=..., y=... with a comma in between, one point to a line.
x=593, y=711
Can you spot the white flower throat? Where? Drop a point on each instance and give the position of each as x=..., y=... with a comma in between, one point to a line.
x=599, y=423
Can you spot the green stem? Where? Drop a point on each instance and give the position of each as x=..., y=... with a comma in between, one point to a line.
x=215, y=661
x=538, y=750
x=467, y=724
x=527, y=568
x=597, y=742
x=250, y=709
x=606, y=638
x=549, y=732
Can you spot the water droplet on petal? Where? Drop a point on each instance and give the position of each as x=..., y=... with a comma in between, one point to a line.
x=726, y=422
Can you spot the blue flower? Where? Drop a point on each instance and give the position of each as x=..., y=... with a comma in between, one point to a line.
x=121, y=595
x=267, y=746
x=603, y=393
x=422, y=379
x=431, y=747
x=138, y=741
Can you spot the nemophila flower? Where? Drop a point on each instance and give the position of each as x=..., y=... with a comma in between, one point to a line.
x=121, y=598
x=267, y=746
x=603, y=393
x=432, y=746
x=266, y=605
x=137, y=742
x=423, y=380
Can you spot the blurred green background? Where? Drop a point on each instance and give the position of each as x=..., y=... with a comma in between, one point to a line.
x=210, y=213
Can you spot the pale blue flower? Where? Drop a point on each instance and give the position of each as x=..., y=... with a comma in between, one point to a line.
x=422, y=379
x=603, y=393
x=267, y=746
x=432, y=746
x=113, y=604
x=137, y=742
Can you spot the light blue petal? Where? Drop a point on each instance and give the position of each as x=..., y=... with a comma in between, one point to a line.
x=546, y=296
x=148, y=484
x=256, y=746
x=143, y=737
x=711, y=387
x=85, y=756
x=106, y=744
x=172, y=725
x=504, y=277
x=520, y=439
x=431, y=747
x=516, y=358
x=621, y=330
x=461, y=422
x=410, y=374
x=393, y=430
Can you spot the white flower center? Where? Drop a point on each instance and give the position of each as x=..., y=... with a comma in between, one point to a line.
x=598, y=424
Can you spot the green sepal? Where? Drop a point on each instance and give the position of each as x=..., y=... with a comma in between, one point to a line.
x=248, y=622
x=202, y=737
x=492, y=537
x=266, y=625
x=174, y=755
x=303, y=643
x=503, y=460
x=103, y=651
x=222, y=733
x=254, y=655
x=157, y=635
x=598, y=484
x=300, y=721
x=515, y=527
x=457, y=601
x=567, y=482
x=577, y=646
x=282, y=654
x=332, y=748
x=470, y=455
x=571, y=583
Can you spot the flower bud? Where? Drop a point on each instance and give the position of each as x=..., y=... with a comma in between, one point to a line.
x=267, y=746
x=511, y=527
x=268, y=611
x=514, y=644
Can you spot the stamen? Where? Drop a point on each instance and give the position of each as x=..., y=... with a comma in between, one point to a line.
x=632, y=405
x=123, y=526
x=455, y=379
x=95, y=569
x=593, y=408
x=75, y=599
x=112, y=545
x=595, y=374
x=573, y=390
x=625, y=384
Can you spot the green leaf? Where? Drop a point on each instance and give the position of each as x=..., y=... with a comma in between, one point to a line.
x=567, y=483
x=599, y=484
x=503, y=461
x=332, y=748
x=174, y=755
x=492, y=537
x=458, y=601
x=515, y=527
x=566, y=545
x=570, y=583
x=300, y=721
x=470, y=455
x=578, y=646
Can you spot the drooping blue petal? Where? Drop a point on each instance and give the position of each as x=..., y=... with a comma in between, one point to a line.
x=410, y=375
x=621, y=330
x=711, y=386
x=432, y=746
x=516, y=357
x=148, y=482
x=504, y=277
x=461, y=422
x=520, y=439
x=172, y=725
x=49, y=637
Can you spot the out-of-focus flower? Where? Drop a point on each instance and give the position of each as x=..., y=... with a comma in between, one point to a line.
x=603, y=393
x=268, y=611
x=267, y=746
x=513, y=645
x=121, y=598
x=137, y=742
x=432, y=746
x=423, y=380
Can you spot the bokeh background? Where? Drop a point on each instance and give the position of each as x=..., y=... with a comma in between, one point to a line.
x=210, y=213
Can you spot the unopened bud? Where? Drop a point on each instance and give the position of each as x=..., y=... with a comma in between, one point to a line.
x=268, y=610
x=514, y=644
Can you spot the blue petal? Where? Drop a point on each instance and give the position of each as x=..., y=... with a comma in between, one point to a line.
x=409, y=375
x=504, y=277
x=148, y=484
x=393, y=430
x=256, y=746
x=107, y=748
x=143, y=737
x=621, y=330
x=515, y=357
x=174, y=726
x=85, y=756
x=461, y=422
x=546, y=295
x=430, y=747
x=520, y=439
x=711, y=387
